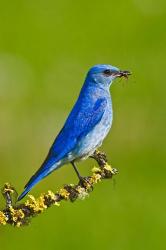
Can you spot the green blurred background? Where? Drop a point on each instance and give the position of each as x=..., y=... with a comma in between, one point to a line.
x=46, y=47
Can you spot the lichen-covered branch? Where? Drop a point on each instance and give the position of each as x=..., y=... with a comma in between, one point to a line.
x=20, y=214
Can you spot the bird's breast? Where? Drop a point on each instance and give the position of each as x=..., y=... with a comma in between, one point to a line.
x=89, y=143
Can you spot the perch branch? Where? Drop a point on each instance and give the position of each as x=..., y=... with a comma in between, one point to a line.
x=20, y=214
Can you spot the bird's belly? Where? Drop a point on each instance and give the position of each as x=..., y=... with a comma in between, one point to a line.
x=89, y=143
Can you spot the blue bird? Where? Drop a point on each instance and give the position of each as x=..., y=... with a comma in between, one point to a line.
x=86, y=126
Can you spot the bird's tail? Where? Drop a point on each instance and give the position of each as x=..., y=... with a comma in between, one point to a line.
x=47, y=167
x=27, y=188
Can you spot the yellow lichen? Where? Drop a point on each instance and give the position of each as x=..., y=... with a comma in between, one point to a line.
x=17, y=215
x=64, y=193
x=50, y=195
x=82, y=193
x=18, y=224
x=37, y=205
x=3, y=218
x=8, y=188
x=108, y=168
x=41, y=203
x=80, y=189
x=95, y=178
x=96, y=170
x=57, y=204
x=87, y=184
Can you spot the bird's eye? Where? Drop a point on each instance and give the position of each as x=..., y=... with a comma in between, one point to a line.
x=107, y=72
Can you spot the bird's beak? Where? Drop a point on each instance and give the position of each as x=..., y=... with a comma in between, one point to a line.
x=123, y=73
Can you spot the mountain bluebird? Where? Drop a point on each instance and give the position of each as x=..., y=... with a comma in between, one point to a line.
x=86, y=126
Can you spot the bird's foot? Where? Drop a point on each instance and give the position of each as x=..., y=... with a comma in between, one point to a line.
x=85, y=183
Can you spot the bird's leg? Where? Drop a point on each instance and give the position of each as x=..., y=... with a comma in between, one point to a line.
x=84, y=181
x=76, y=170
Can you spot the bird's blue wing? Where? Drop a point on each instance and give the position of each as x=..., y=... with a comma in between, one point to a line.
x=83, y=118
x=79, y=123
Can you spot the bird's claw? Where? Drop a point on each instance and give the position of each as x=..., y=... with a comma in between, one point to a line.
x=85, y=183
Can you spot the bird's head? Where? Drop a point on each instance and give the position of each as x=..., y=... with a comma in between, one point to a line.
x=103, y=75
